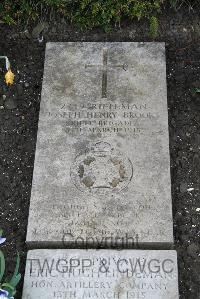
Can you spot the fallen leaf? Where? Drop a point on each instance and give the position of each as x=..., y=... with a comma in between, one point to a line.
x=9, y=77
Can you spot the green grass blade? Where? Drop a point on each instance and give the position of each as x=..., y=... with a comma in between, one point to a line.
x=8, y=287
x=16, y=276
x=2, y=265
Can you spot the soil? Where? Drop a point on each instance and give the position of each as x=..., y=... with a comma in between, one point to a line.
x=19, y=110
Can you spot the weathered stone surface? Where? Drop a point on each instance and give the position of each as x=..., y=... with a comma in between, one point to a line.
x=102, y=166
x=82, y=274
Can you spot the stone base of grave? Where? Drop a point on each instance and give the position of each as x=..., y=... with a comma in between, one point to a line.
x=103, y=274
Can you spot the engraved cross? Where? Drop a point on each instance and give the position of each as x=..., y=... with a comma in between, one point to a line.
x=105, y=67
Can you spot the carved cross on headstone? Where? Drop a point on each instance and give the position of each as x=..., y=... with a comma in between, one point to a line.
x=105, y=67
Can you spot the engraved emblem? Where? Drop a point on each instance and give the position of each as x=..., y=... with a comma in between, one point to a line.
x=101, y=169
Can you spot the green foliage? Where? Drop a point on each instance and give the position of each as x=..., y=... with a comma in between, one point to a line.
x=88, y=13
x=174, y=3
x=154, y=26
x=191, y=4
x=85, y=13
x=2, y=265
x=8, y=285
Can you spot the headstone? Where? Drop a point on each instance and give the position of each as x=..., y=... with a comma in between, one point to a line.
x=101, y=274
x=102, y=168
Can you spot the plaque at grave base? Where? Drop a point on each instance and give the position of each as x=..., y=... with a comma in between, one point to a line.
x=101, y=274
x=102, y=169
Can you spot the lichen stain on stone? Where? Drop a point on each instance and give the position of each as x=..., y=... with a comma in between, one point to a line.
x=95, y=136
x=63, y=85
x=115, y=161
x=79, y=145
x=88, y=182
x=122, y=171
x=115, y=182
x=81, y=171
x=118, y=289
x=89, y=160
x=92, y=224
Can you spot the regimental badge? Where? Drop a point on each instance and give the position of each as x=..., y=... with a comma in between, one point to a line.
x=101, y=169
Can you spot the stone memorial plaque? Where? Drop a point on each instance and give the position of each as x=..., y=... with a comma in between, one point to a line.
x=103, y=274
x=102, y=167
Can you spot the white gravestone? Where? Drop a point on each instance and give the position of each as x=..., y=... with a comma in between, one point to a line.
x=101, y=274
x=102, y=166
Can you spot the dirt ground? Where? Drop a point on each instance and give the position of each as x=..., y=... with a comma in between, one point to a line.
x=19, y=110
